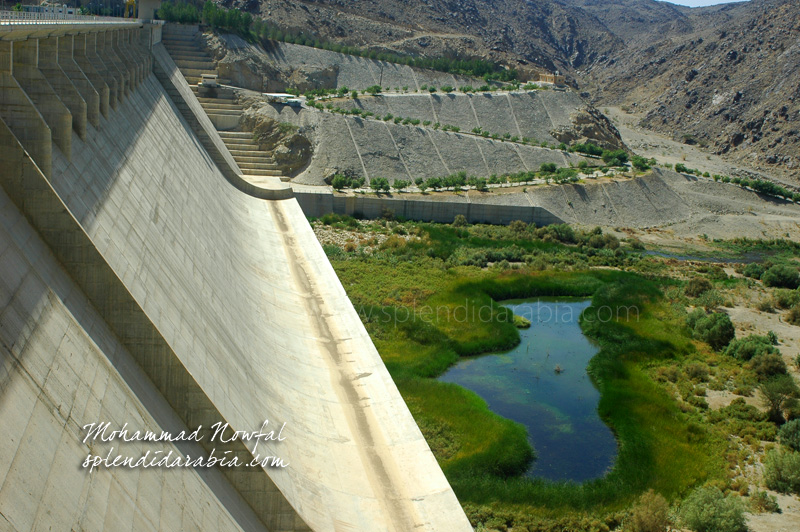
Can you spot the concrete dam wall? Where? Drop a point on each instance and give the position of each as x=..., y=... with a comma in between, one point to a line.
x=140, y=286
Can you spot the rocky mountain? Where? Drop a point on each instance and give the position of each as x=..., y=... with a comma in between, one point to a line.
x=724, y=76
x=638, y=21
x=527, y=34
x=731, y=82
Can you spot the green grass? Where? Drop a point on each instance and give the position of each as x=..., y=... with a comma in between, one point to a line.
x=484, y=455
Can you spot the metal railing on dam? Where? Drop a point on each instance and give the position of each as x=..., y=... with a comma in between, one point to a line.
x=24, y=17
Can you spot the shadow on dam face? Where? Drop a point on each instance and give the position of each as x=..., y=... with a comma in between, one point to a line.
x=194, y=302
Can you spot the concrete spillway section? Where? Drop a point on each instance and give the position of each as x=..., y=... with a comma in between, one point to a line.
x=138, y=285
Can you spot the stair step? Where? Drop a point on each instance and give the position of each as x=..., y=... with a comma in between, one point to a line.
x=179, y=39
x=200, y=65
x=236, y=134
x=264, y=163
x=232, y=143
x=253, y=158
x=222, y=114
x=188, y=48
x=223, y=106
x=181, y=55
x=245, y=151
x=194, y=80
x=197, y=72
x=256, y=166
x=261, y=172
x=173, y=34
x=216, y=100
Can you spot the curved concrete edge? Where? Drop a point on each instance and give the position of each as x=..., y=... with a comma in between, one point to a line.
x=175, y=84
x=403, y=487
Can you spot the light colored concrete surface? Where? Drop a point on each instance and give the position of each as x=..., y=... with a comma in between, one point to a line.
x=61, y=367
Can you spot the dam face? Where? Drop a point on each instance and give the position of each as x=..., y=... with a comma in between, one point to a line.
x=143, y=285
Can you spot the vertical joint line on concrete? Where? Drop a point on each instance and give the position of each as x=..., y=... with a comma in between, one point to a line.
x=358, y=152
x=399, y=153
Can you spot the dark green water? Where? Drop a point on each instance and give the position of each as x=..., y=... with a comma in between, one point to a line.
x=558, y=409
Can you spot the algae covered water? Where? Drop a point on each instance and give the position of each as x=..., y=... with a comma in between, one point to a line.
x=543, y=384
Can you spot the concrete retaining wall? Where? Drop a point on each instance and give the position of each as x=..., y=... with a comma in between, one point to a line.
x=373, y=148
x=317, y=204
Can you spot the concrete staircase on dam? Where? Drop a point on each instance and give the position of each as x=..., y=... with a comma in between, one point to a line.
x=183, y=44
x=187, y=51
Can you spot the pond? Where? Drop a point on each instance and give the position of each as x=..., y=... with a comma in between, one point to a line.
x=543, y=384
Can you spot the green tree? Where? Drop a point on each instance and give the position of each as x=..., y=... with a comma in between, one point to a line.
x=339, y=182
x=715, y=328
x=400, y=184
x=379, y=184
x=640, y=163
x=548, y=168
x=780, y=393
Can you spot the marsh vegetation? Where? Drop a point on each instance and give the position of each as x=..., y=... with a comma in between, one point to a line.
x=659, y=364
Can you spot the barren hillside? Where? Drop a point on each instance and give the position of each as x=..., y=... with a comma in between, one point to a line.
x=732, y=84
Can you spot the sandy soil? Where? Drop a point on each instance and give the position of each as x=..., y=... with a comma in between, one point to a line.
x=665, y=150
x=787, y=521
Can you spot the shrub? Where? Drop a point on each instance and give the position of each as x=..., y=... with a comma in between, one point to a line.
x=680, y=167
x=179, y=12
x=754, y=270
x=767, y=365
x=781, y=276
x=709, y=510
x=615, y=157
x=697, y=371
x=715, y=328
x=790, y=435
x=459, y=221
x=649, y=514
x=400, y=184
x=374, y=89
x=784, y=298
x=782, y=471
x=518, y=226
x=762, y=502
x=548, y=168
x=379, y=184
x=751, y=346
x=793, y=316
x=589, y=149
x=697, y=286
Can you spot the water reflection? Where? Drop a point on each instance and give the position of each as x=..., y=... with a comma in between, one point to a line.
x=542, y=383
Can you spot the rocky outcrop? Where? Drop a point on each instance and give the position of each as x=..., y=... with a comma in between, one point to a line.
x=590, y=125
x=286, y=143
